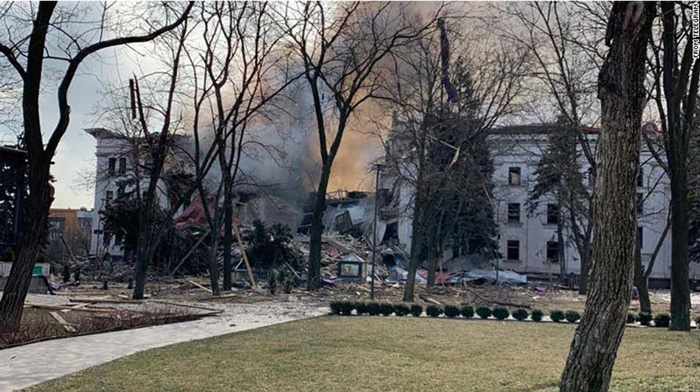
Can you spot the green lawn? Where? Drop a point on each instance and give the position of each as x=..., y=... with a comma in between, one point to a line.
x=391, y=354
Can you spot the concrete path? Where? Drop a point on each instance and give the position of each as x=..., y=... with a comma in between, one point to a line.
x=23, y=366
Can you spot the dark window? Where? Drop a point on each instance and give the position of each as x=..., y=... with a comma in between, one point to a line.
x=107, y=239
x=122, y=165
x=513, y=251
x=640, y=177
x=108, y=196
x=640, y=237
x=640, y=203
x=112, y=166
x=514, y=212
x=553, y=251
x=514, y=175
x=552, y=214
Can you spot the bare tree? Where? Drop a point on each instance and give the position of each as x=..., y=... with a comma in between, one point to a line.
x=27, y=55
x=341, y=51
x=622, y=94
x=565, y=41
x=247, y=68
x=676, y=74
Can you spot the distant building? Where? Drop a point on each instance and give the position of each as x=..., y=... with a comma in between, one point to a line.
x=528, y=241
x=68, y=227
x=122, y=166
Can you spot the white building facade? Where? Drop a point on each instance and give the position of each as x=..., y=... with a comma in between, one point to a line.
x=528, y=240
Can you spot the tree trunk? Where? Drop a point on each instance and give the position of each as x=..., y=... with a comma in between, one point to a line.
x=640, y=281
x=416, y=240
x=31, y=236
x=214, y=266
x=585, y=270
x=560, y=241
x=38, y=169
x=316, y=230
x=228, y=230
x=680, y=284
x=621, y=91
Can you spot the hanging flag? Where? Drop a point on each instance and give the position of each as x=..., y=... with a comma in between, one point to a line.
x=445, y=57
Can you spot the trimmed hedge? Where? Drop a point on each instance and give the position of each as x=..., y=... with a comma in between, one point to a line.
x=483, y=312
x=501, y=313
x=631, y=318
x=451, y=311
x=644, y=318
x=386, y=309
x=520, y=314
x=467, y=311
x=335, y=307
x=557, y=316
x=416, y=310
x=374, y=309
x=572, y=316
x=433, y=310
x=662, y=320
x=401, y=310
x=537, y=315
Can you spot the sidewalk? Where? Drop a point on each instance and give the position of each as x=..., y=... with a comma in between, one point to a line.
x=23, y=366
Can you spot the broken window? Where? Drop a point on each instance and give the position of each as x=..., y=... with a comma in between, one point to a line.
x=514, y=175
x=112, y=166
x=108, y=196
x=553, y=251
x=552, y=214
x=513, y=250
x=514, y=212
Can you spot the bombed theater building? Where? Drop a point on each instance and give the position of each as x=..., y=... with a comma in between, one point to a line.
x=279, y=189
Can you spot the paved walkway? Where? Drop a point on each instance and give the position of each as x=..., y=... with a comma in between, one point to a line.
x=23, y=366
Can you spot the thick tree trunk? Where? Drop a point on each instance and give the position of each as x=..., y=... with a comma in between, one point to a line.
x=38, y=169
x=621, y=91
x=680, y=284
x=640, y=282
x=316, y=230
x=31, y=236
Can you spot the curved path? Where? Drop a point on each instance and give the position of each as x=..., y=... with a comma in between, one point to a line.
x=23, y=366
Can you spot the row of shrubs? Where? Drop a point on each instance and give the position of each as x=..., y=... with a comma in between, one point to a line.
x=346, y=308
x=662, y=320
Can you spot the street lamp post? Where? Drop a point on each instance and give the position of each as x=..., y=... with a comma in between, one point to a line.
x=378, y=168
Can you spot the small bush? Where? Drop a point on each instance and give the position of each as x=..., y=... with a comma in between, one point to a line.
x=644, y=318
x=401, y=310
x=416, y=310
x=631, y=318
x=451, y=311
x=346, y=308
x=520, y=314
x=483, y=312
x=467, y=311
x=557, y=316
x=501, y=313
x=360, y=308
x=335, y=307
x=373, y=309
x=386, y=309
x=572, y=316
x=537, y=315
x=662, y=320
x=433, y=310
